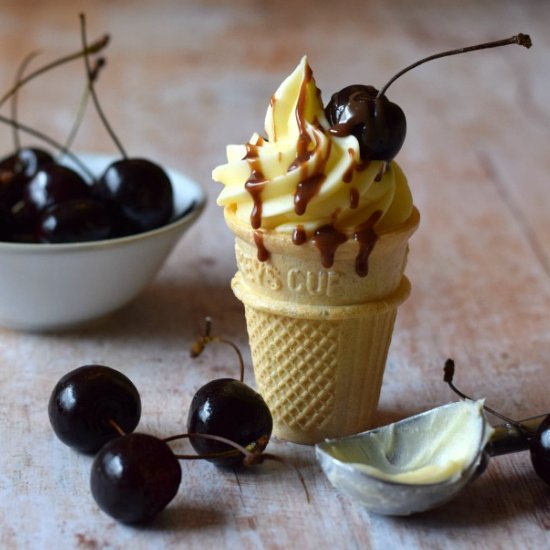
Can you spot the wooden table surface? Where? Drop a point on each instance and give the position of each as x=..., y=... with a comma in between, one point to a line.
x=183, y=80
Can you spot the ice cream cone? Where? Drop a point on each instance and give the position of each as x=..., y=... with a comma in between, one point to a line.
x=319, y=336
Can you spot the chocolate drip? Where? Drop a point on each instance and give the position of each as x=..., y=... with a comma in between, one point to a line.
x=354, y=166
x=299, y=235
x=302, y=154
x=308, y=186
x=255, y=183
x=263, y=252
x=305, y=191
x=353, y=198
x=327, y=239
x=366, y=236
x=348, y=174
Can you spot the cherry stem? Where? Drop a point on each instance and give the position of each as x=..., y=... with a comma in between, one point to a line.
x=218, y=438
x=116, y=427
x=520, y=39
x=15, y=96
x=252, y=456
x=95, y=99
x=49, y=140
x=198, y=347
x=99, y=64
x=93, y=48
x=449, y=371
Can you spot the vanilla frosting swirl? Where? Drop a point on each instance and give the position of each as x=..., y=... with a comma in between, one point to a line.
x=302, y=176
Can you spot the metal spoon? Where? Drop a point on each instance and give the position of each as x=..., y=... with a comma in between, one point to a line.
x=364, y=466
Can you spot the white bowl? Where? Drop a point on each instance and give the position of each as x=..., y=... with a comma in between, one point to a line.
x=45, y=287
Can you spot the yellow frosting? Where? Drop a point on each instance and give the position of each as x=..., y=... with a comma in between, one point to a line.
x=301, y=175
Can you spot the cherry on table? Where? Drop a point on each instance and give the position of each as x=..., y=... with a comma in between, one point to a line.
x=540, y=450
x=92, y=405
x=227, y=408
x=134, y=477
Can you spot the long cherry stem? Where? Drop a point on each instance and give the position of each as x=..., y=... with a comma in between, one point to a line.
x=91, y=87
x=220, y=439
x=93, y=48
x=99, y=64
x=15, y=96
x=520, y=39
x=253, y=455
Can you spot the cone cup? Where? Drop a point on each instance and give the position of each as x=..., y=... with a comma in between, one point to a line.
x=319, y=337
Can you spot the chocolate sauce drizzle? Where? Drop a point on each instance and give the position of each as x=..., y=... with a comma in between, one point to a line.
x=263, y=253
x=302, y=148
x=327, y=238
x=305, y=191
x=308, y=186
x=366, y=236
x=354, y=167
x=255, y=183
x=299, y=235
x=353, y=198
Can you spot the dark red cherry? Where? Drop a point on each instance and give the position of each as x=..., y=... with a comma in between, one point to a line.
x=29, y=160
x=138, y=193
x=17, y=169
x=228, y=408
x=378, y=124
x=134, y=477
x=54, y=184
x=86, y=401
x=540, y=450
x=24, y=220
x=75, y=220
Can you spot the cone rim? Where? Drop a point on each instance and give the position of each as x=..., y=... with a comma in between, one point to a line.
x=283, y=241
x=251, y=298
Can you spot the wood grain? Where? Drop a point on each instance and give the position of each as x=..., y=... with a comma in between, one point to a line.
x=183, y=80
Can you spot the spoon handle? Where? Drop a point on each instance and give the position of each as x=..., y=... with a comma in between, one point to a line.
x=509, y=438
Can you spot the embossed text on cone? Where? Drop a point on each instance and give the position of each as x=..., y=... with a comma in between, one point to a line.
x=319, y=336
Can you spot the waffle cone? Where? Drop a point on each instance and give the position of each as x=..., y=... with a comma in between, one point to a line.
x=319, y=337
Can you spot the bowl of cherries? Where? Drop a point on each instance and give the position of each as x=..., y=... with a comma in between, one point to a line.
x=85, y=260
x=81, y=235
